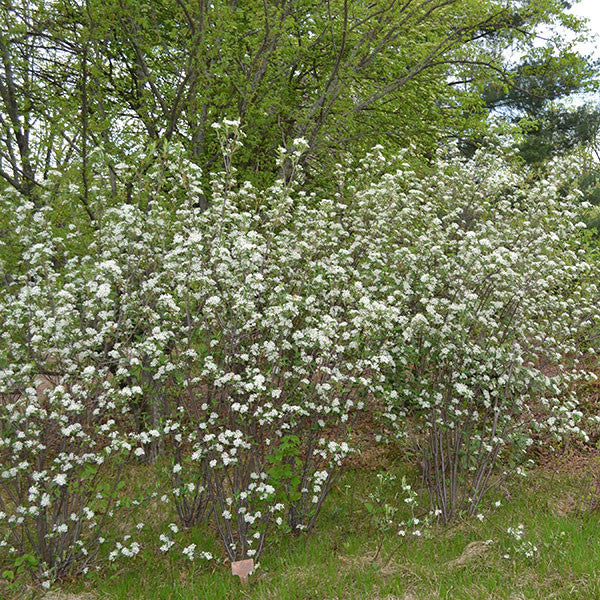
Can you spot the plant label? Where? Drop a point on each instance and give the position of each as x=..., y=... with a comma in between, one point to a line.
x=243, y=568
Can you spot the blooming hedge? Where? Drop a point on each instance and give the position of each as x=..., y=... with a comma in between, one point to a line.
x=234, y=347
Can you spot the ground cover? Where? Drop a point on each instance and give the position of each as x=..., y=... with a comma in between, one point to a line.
x=557, y=555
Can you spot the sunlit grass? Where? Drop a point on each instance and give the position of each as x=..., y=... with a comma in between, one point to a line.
x=336, y=561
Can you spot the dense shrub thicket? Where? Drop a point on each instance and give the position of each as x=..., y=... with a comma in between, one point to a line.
x=235, y=346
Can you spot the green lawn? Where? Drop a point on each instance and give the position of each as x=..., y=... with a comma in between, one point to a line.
x=335, y=562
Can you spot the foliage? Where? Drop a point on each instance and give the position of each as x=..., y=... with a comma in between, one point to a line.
x=537, y=99
x=126, y=76
x=236, y=344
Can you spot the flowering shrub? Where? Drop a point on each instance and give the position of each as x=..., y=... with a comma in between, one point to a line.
x=75, y=393
x=500, y=298
x=61, y=424
x=234, y=346
x=241, y=340
x=386, y=507
x=520, y=545
x=278, y=347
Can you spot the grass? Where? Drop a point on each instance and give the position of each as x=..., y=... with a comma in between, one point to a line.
x=335, y=562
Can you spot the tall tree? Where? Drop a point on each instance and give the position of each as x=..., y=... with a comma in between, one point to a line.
x=535, y=94
x=128, y=75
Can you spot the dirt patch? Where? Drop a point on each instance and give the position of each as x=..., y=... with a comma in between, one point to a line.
x=472, y=551
x=384, y=565
x=65, y=596
x=564, y=506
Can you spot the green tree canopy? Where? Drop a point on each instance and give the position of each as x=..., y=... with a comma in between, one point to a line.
x=128, y=75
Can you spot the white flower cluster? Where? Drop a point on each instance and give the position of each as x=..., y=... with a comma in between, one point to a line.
x=520, y=545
